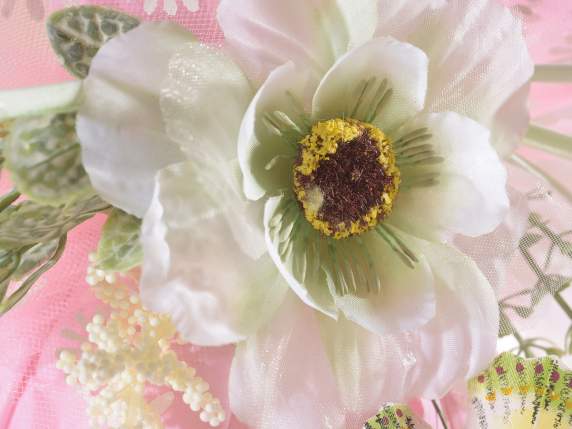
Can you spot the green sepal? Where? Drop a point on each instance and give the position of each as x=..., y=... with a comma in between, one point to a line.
x=29, y=223
x=77, y=33
x=43, y=156
x=119, y=249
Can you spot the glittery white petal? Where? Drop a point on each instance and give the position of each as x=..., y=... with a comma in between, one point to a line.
x=297, y=253
x=264, y=34
x=257, y=146
x=119, y=123
x=406, y=299
x=478, y=60
x=203, y=100
x=456, y=344
x=194, y=268
x=398, y=297
x=280, y=377
x=470, y=197
x=405, y=68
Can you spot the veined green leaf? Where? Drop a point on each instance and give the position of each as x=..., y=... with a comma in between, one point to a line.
x=119, y=249
x=43, y=156
x=29, y=223
x=40, y=100
x=77, y=33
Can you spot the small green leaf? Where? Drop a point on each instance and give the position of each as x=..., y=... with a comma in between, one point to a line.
x=34, y=257
x=9, y=261
x=77, y=33
x=119, y=249
x=30, y=223
x=40, y=100
x=7, y=303
x=43, y=156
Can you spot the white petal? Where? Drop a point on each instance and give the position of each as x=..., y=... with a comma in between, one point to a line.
x=493, y=252
x=264, y=34
x=403, y=65
x=470, y=197
x=401, y=18
x=193, y=268
x=406, y=298
x=456, y=344
x=119, y=123
x=257, y=146
x=203, y=100
x=297, y=253
x=280, y=377
x=368, y=280
x=478, y=60
x=461, y=341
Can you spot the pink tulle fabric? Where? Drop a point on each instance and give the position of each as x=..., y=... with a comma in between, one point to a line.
x=33, y=393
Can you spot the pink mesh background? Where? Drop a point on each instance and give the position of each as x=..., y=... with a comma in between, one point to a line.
x=33, y=393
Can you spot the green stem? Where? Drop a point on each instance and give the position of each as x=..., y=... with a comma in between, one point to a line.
x=555, y=73
x=563, y=304
x=516, y=335
x=8, y=199
x=549, y=141
x=440, y=413
x=541, y=174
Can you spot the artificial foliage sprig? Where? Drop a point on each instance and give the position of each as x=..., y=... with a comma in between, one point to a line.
x=547, y=283
x=40, y=150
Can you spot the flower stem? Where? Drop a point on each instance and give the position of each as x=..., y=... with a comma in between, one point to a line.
x=540, y=173
x=549, y=141
x=563, y=304
x=440, y=413
x=9, y=198
x=555, y=73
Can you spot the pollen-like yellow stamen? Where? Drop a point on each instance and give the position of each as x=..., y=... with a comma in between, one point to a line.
x=345, y=177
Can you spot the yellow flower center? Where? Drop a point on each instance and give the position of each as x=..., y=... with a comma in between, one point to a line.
x=345, y=177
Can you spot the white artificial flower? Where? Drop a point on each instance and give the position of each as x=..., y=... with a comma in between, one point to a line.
x=299, y=189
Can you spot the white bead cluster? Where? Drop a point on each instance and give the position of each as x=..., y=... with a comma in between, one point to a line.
x=125, y=350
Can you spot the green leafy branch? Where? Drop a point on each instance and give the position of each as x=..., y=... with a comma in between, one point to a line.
x=546, y=283
x=40, y=149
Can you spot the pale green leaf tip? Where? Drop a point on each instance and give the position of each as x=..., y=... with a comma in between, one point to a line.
x=61, y=97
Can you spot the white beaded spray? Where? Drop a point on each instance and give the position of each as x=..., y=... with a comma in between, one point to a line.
x=123, y=352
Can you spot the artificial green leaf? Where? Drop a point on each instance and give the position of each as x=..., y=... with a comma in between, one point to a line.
x=15, y=297
x=29, y=223
x=77, y=33
x=35, y=101
x=43, y=156
x=119, y=248
x=9, y=261
x=34, y=257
